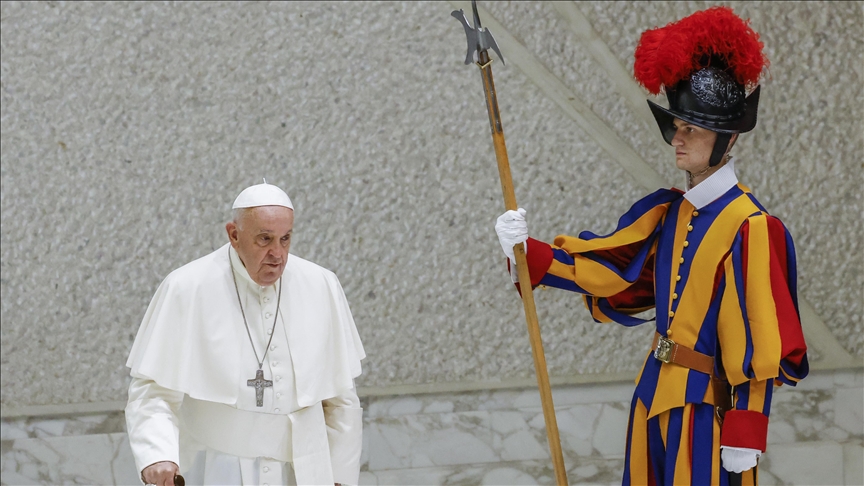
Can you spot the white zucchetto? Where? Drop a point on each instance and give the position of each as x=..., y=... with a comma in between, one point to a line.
x=262, y=195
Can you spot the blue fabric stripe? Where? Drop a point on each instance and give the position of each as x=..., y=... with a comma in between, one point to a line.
x=663, y=266
x=562, y=256
x=626, y=479
x=769, y=394
x=634, y=268
x=673, y=443
x=661, y=196
x=742, y=394
x=647, y=385
x=703, y=444
x=737, y=248
x=697, y=384
x=617, y=316
x=561, y=283
x=706, y=341
x=656, y=450
x=798, y=372
x=792, y=267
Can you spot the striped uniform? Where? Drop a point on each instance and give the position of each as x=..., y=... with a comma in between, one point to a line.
x=723, y=281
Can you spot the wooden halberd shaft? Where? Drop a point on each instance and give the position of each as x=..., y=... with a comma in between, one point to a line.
x=484, y=62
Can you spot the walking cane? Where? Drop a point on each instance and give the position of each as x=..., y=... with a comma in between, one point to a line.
x=480, y=40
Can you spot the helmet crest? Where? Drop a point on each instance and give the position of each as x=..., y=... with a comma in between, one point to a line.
x=713, y=37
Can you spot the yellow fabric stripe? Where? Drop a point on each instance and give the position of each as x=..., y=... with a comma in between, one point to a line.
x=730, y=329
x=594, y=277
x=685, y=213
x=683, y=471
x=639, y=445
x=758, y=389
x=761, y=310
x=715, y=453
x=664, y=427
x=749, y=477
x=638, y=231
x=696, y=296
x=673, y=382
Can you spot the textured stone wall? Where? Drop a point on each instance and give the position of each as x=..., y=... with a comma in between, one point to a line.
x=128, y=129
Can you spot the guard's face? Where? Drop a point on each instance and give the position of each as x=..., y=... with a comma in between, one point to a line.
x=693, y=146
x=262, y=237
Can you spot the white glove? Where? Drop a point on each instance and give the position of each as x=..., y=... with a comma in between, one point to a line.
x=512, y=229
x=739, y=459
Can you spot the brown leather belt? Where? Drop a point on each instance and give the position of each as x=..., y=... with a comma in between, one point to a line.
x=669, y=351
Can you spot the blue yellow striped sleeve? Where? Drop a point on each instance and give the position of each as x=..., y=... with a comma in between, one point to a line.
x=615, y=271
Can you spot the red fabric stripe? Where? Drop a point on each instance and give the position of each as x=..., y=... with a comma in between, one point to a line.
x=745, y=250
x=690, y=444
x=744, y=428
x=793, y=346
x=638, y=295
x=539, y=257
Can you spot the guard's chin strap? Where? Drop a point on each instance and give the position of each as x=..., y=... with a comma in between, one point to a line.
x=720, y=147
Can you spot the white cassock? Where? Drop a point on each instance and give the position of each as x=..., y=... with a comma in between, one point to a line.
x=189, y=401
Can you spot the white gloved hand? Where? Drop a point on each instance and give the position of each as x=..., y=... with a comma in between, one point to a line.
x=739, y=459
x=512, y=229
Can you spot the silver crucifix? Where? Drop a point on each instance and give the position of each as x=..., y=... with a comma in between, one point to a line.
x=260, y=384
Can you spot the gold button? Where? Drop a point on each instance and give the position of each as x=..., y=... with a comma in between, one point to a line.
x=669, y=333
x=681, y=260
x=686, y=244
x=674, y=296
x=677, y=278
x=695, y=213
x=689, y=227
x=671, y=314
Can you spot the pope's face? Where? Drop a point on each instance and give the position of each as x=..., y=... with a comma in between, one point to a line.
x=693, y=146
x=262, y=237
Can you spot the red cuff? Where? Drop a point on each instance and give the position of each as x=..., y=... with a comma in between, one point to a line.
x=744, y=428
x=539, y=257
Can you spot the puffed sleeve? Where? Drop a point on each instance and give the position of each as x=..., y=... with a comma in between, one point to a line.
x=615, y=272
x=759, y=328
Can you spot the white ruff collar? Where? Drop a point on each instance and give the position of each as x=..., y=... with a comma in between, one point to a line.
x=714, y=186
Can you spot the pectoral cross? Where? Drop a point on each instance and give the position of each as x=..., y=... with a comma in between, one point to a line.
x=260, y=384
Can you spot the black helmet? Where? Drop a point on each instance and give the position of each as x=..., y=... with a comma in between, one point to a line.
x=703, y=62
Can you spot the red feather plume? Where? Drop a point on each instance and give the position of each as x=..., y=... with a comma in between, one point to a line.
x=667, y=55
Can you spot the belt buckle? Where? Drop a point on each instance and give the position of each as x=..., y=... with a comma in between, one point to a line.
x=664, y=349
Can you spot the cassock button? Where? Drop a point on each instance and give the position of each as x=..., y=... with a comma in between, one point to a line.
x=278, y=395
x=278, y=378
x=671, y=314
x=266, y=299
x=268, y=315
x=269, y=331
x=275, y=363
x=266, y=469
x=272, y=347
x=276, y=410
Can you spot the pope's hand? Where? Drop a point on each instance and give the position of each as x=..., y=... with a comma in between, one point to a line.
x=160, y=473
x=512, y=228
x=739, y=459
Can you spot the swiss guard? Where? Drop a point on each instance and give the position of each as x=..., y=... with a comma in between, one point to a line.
x=717, y=267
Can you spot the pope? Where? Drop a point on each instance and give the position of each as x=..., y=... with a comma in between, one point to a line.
x=244, y=364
